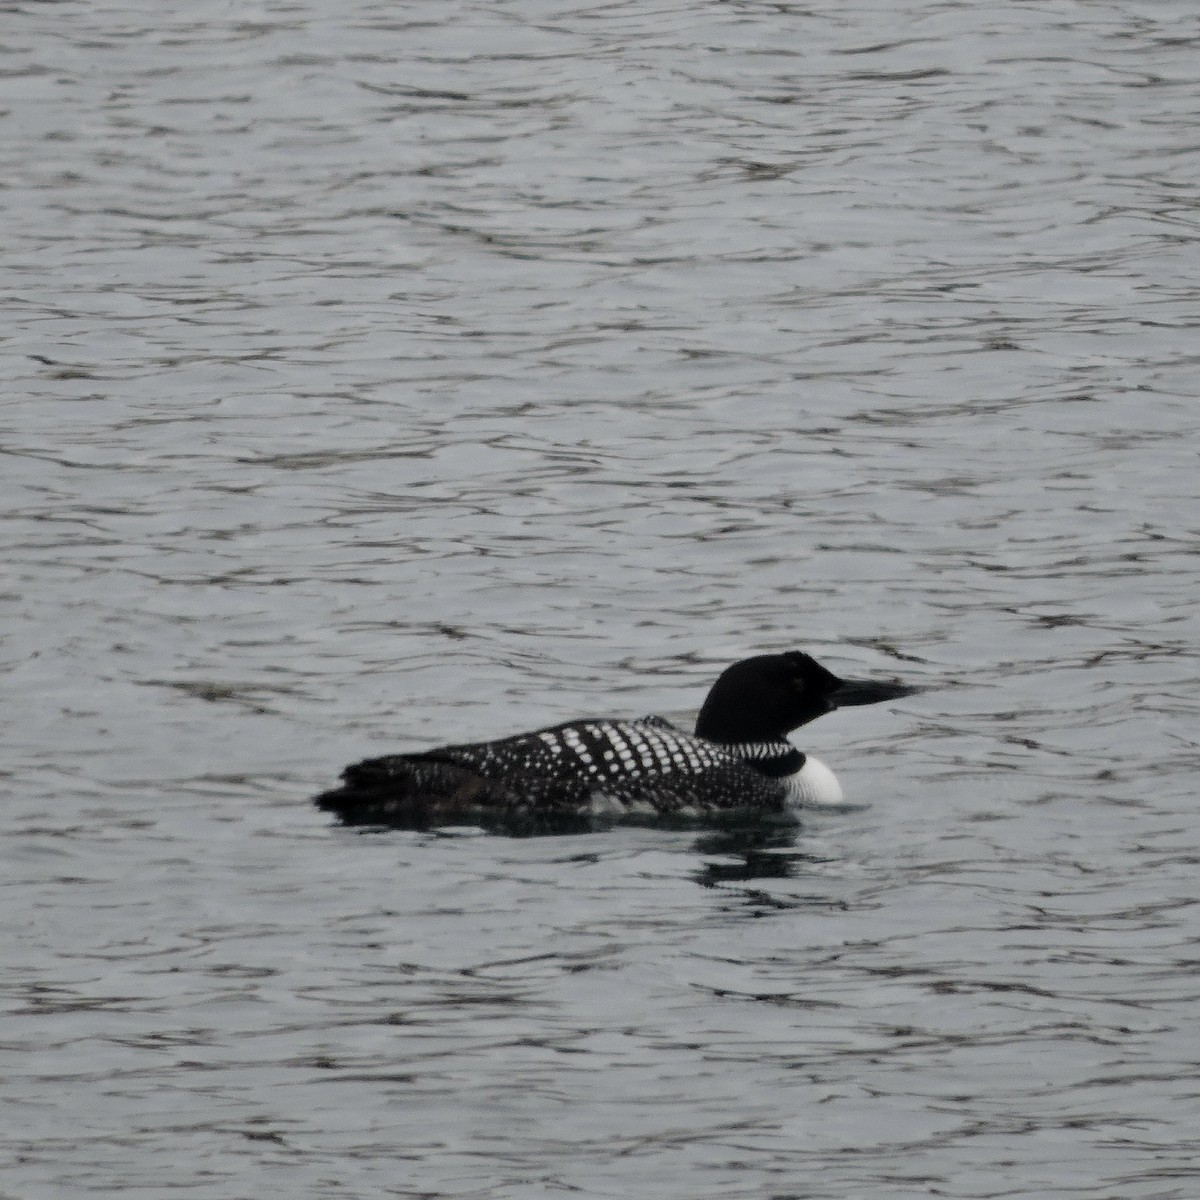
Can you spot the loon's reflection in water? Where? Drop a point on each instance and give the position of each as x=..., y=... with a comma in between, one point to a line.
x=732, y=852
x=734, y=828
x=759, y=851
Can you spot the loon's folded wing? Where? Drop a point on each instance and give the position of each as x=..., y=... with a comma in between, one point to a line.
x=572, y=773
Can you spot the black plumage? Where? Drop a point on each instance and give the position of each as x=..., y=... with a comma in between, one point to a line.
x=593, y=771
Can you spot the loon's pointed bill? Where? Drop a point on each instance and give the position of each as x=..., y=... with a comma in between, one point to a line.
x=850, y=693
x=738, y=761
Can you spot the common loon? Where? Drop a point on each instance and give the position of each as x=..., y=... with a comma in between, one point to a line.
x=588, y=772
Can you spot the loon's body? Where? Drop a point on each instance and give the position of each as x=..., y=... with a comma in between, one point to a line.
x=738, y=761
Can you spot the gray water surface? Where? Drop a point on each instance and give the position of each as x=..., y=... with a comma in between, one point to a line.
x=382, y=375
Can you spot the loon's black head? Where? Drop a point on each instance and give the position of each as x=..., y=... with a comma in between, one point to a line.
x=763, y=699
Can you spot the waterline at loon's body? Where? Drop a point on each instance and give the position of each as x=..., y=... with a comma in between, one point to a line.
x=738, y=761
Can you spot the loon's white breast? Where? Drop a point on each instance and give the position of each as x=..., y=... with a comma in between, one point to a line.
x=813, y=785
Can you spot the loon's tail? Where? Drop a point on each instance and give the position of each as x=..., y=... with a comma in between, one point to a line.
x=412, y=792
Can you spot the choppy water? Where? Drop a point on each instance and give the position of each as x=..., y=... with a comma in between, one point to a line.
x=385, y=374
